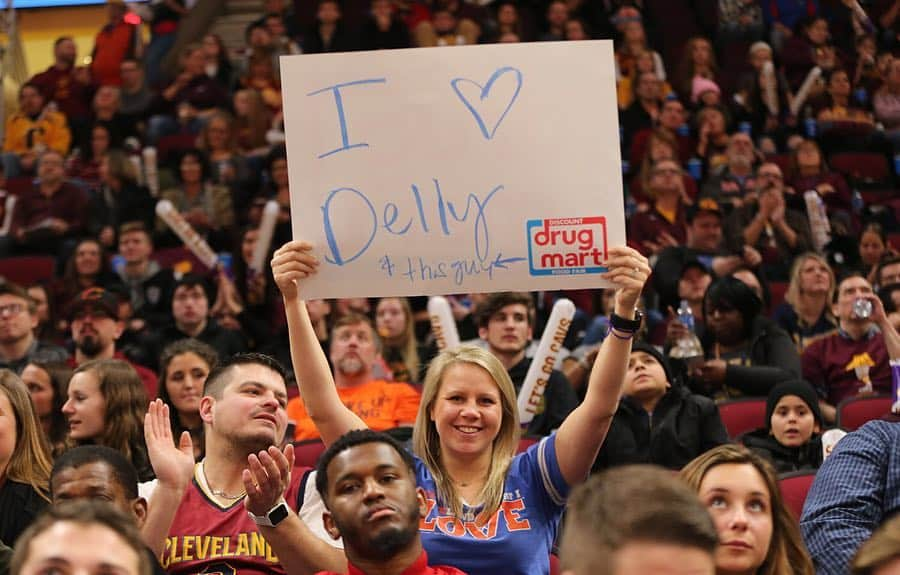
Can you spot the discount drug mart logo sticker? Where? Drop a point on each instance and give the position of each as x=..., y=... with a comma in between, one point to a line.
x=567, y=246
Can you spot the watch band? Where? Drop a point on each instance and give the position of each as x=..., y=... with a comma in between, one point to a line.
x=273, y=516
x=619, y=323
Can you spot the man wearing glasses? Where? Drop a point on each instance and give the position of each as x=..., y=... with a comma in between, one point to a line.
x=18, y=344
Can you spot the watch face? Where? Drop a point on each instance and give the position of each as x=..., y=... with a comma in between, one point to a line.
x=278, y=514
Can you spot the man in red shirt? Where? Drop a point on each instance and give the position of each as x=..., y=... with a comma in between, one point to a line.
x=64, y=83
x=116, y=41
x=368, y=483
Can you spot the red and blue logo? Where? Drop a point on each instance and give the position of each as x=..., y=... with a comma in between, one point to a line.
x=567, y=246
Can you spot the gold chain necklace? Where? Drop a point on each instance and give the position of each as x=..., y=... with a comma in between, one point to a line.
x=215, y=492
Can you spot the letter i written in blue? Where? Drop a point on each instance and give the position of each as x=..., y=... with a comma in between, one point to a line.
x=342, y=118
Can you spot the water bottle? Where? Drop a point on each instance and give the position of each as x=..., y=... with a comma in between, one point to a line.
x=746, y=128
x=695, y=168
x=688, y=348
x=858, y=203
x=686, y=315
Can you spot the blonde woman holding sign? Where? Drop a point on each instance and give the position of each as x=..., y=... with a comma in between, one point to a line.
x=488, y=510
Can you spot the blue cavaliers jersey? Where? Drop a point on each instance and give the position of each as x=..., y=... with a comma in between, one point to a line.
x=518, y=537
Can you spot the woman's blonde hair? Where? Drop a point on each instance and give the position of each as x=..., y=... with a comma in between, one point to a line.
x=406, y=344
x=794, y=290
x=881, y=549
x=787, y=554
x=30, y=461
x=427, y=442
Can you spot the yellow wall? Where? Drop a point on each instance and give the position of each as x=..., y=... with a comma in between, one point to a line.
x=40, y=27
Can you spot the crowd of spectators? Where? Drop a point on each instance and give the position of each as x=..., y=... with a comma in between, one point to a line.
x=758, y=140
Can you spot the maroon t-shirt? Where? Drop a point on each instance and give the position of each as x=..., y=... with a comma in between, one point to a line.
x=830, y=365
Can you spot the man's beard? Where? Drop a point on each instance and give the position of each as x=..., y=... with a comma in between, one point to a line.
x=350, y=365
x=90, y=346
x=387, y=542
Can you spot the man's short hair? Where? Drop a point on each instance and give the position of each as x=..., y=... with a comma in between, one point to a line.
x=844, y=277
x=15, y=290
x=123, y=471
x=895, y=260
x=633, y=503
x=352, y=439
x=354, y=318
x=132, y=227
x=217, y=379
x=84, y=512
x=60, y=40
x=494, y=302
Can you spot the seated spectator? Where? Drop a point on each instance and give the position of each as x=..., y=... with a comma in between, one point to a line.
x=329, y=33
x=106, y=406
x=790, y=441
x=867, y=76
x=855, y=491
x=705, y=93
x=32, y=130
x=373, y=547
x=881, y=554
x=47, y=382
x=25, y=460
x=261, y=76
x=120, y=199
x=809, y=171
x=135, y=97
x=712, y=139
x=644, y=111
x=87, y=267
x=355, y=347
x=206, y=206
x=65, y=84
x=805, y=313
x=730, y=183
x=757, y=533
x=191, y=317
x=886, y=103
x=218, y=65
x=95, y=329
x=188, y=100
x=698, y=61
x=446, y=28
x=672, y=118
x=18, y=342
x=636, y=520
x=384, y=30
x=508, y=18
x=150, y=287
x=556, y=16
x=49, y=327
x=625, y=87
x=763, y=100
x=853, y=360
x=282, y=42
x=804, y=49
x=658, y=420
x=660, y=145
x=278, y=189
x=505, y=324
x=83, y=167
x=402, y=354
x=218, y=140
x=747, y=354
x=116, y=40
x=664, y=224
x=252, y=121
x=51, y=213
x=105, y=110
x=634, y=55
x=183, y=368
x=739, y=21
x=840, y=106
x=765, y=223
x=873, y=249
x=888, y=272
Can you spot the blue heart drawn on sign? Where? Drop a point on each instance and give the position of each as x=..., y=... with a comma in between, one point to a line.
x=484, y=92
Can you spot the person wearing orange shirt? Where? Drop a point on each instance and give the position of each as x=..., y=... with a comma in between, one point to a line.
x=355, y=348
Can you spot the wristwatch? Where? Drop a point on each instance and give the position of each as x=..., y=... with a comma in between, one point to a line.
x=619, y=323
x=273, y=516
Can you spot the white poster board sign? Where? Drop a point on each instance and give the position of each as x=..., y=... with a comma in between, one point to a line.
x=455, y=170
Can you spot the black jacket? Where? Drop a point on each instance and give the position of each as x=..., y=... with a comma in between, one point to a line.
x=807, y=457
x=682, y=426
x=559, y=399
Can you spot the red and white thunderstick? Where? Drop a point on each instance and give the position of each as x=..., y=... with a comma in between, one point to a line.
x=544, y=359
x=186, y=232
x=266, y=231
x=151, y=175
x=442, y=323
x=803, y=92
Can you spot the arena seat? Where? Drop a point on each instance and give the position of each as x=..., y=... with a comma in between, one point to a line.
x=26, y=270
x=306, y=453
x=525, y=443
x=853, y=412
x=742, y=415
x=554, y=564
x=866, y=168
x=794, y=487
